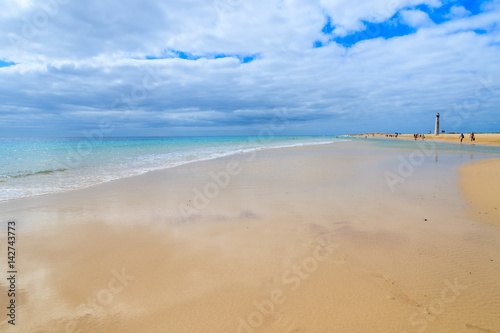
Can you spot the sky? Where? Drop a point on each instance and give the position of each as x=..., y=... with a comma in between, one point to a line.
x=235, y=67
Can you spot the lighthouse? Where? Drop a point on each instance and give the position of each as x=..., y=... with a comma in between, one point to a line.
x=436, y=131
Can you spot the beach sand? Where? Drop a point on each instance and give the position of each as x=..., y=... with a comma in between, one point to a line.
x=310, y=239
x=490, y=139
x=480, y=183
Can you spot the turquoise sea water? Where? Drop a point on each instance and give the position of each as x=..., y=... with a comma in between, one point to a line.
x=31, y=167
x=427, y=145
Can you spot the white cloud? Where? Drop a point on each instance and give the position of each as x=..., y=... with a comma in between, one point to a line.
x=80, y=63
x=458, y=12
x=415, y=18
x=348, y=15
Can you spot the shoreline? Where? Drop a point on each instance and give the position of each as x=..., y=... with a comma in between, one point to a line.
x=342, y=139
x=487, y=139
x=235, y=153
x=294, y=236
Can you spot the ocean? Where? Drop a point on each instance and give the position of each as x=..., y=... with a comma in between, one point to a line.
x=33, y=167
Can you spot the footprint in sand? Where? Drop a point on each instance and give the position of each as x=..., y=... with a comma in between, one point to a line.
x=469, y=326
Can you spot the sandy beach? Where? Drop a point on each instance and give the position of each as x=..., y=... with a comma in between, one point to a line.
x=480, y=183
x=491, y=139
x=199, y=166
x=327, y=238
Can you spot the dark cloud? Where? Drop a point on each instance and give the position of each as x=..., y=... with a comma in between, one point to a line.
x=87, y=62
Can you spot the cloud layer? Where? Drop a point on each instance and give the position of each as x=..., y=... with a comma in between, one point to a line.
x=224, y=67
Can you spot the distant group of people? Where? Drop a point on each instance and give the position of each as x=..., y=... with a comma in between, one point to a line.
x=417, y=136
x=472, y=137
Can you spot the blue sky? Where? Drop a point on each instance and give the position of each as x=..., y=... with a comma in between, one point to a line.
x=226, y=67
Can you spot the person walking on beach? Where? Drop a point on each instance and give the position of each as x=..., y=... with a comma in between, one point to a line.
x=472, y=138
x=461, y=137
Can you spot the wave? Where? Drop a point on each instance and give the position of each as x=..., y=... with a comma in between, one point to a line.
x=22, y=184
x=37, y=173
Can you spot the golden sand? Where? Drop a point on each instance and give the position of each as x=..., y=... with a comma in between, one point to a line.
x=480, y=182
x=295, y=240
x=492, y=139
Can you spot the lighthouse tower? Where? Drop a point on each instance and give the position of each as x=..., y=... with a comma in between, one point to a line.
x=436, y=131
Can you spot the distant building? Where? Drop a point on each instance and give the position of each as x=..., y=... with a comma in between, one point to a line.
x=436, y=131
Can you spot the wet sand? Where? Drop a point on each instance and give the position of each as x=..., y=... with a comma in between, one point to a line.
x=311, y=239
x=480, y=183
x=490, y=139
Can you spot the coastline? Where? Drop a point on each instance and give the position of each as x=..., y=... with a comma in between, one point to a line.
x=490, y=139
x=65, y=170
x=294, y=236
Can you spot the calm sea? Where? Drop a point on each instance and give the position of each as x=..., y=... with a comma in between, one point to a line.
x=32, y=167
